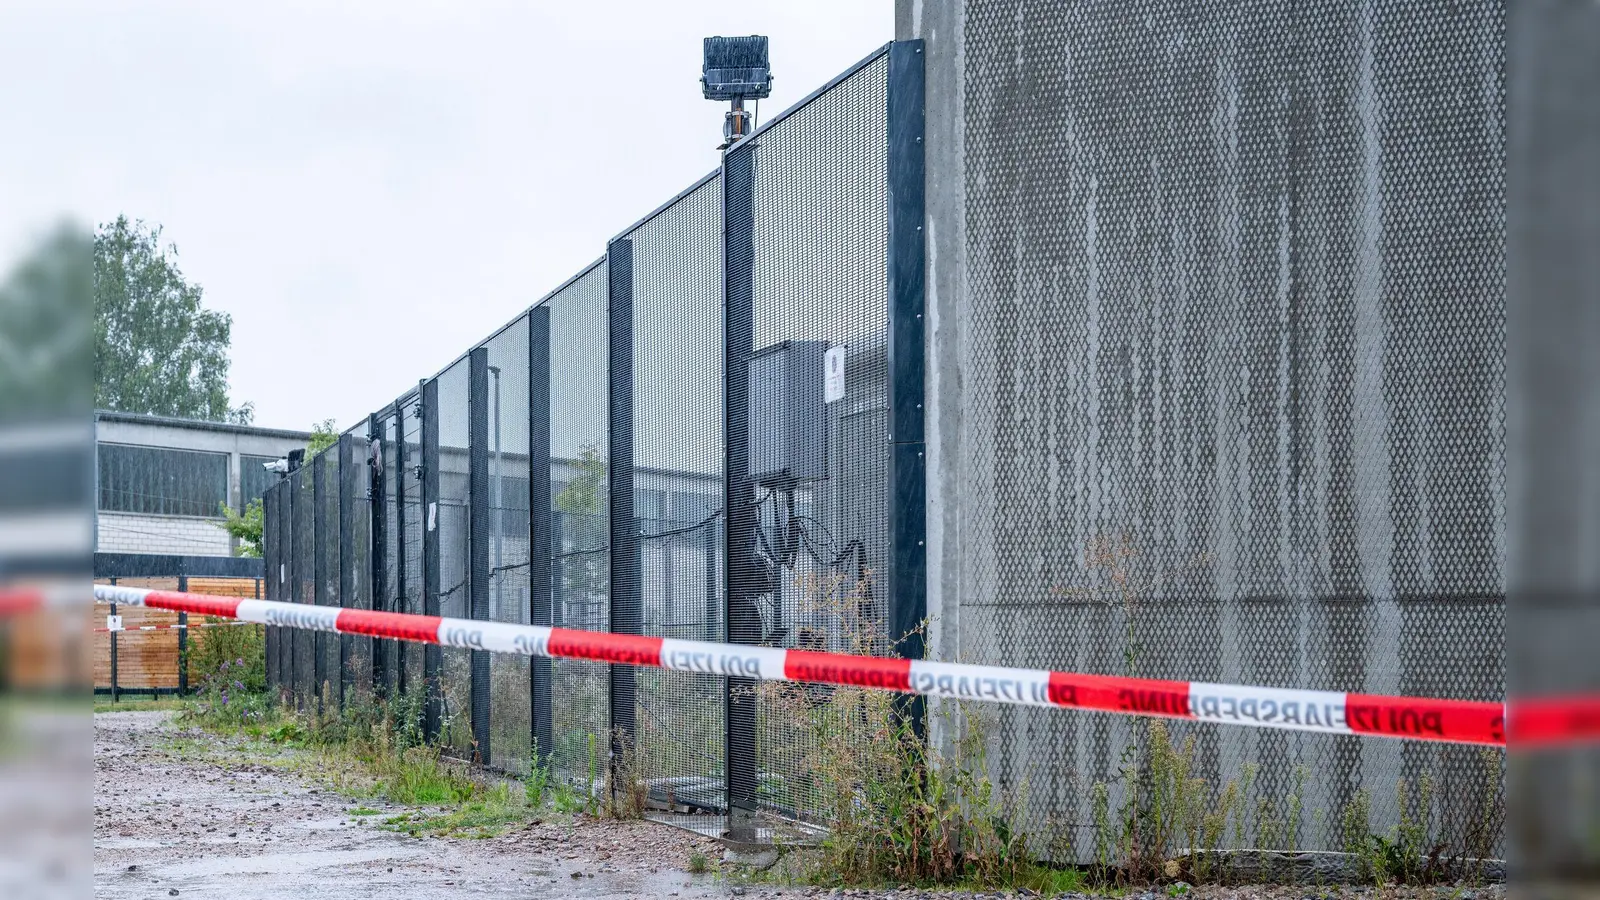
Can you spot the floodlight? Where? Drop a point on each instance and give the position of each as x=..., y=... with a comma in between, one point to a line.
x=735, y=69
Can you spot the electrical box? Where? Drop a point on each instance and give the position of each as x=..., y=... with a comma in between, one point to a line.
x=788, y=414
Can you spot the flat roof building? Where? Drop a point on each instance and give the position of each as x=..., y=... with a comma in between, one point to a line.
x=161, y=482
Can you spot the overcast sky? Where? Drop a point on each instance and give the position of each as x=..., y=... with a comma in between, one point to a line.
x=369, y=188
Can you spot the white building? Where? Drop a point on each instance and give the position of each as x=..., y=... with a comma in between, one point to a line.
x=162, y=482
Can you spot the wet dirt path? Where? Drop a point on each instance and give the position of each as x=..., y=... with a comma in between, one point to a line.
x=177, y=815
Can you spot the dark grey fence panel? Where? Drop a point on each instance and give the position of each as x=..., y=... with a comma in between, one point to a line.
x=305, y=585
x=272, y=556
x=673, y=469
x=816, y=457
x=505, y=541
x=408, y=537
x=579, y=537
x=355, y=561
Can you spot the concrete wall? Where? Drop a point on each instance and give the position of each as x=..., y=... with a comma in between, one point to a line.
x=1215, y=380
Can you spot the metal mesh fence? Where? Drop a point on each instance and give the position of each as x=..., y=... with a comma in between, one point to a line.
x=579, y=536
x=330, y=662
x=305, y=644
x=676, y=480
x=409, y=547
x=817, y=460
x=355, y=543
x=1232, y=385
x=1225, y=390
x=448, y=516
x=510, y=716
x=272, y=555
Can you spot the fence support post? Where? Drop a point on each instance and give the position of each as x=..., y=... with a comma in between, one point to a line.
x=270, y=550
x=289, y=638
x=741, y=619
x=397, y=650
x=432, y=655
x=183, y=640
x=378, y=579
x=319, y=570
x=907, y=516
x=539, y=522
x=115, y=698
x=478, y=513
x=626, y=596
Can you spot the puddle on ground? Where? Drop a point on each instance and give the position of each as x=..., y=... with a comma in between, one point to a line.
x=278, y=863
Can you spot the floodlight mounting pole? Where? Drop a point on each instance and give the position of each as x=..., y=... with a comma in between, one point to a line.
x=737, y=125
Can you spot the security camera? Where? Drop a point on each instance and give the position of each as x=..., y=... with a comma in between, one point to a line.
x=278, y=466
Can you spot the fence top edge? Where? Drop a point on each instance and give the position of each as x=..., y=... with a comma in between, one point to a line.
x=808, y=99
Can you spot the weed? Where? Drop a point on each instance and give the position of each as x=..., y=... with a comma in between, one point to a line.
x=537, y=782
x=698, y=864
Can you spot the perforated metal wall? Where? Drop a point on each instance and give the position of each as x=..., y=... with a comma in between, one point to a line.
x=1231, y=382
x=676, y=480
x=579, y=535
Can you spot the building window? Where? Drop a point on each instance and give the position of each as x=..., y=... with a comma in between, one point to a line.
x=162, y=481
x=254, y=479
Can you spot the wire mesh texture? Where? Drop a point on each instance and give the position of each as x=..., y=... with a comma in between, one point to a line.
x=388, y=652
x=676, y=481
x=330, y=661
x=820, y=214
x=1232, y=386
x=355, y=545
x=510, y=715
x=579, y=438
x=305, y=646
x=448, y=516
x=272, y=557
x=410, y=546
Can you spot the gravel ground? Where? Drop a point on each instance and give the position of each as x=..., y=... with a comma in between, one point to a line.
x=174, y=817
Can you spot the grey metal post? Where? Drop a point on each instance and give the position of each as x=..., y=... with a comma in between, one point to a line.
x=319, y=569
x=183, y=641
x=377, y=494
x=540, y=532
x=742, y=621
x=398, y=650
x=907, y=496
x=432, y=655
x=626, y=595
x=478, y=513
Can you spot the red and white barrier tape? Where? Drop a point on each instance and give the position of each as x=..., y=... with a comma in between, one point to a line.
x=174, y=626
x=1331, y=712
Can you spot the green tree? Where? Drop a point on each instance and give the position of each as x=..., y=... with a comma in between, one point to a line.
x=157, y=349
x=324, y=434
x=44, y=329
x=246, y=527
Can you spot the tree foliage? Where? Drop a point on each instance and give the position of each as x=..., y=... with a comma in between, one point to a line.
x=158, y=350
x=44, y=329
x=246, y=527
x=324, y=434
